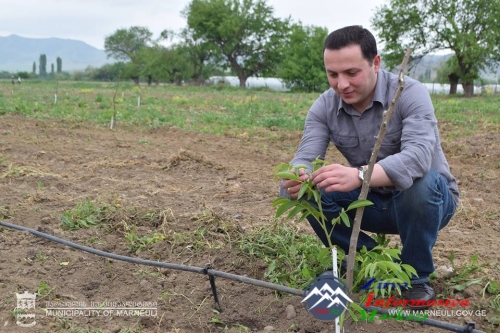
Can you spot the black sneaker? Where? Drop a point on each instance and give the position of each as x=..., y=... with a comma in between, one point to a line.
x=419, y=296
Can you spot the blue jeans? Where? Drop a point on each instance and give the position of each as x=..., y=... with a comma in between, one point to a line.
x=416, y=214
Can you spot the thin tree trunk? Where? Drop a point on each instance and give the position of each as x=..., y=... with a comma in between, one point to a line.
x=468, y=89
x=366, y=183
x=453, y=83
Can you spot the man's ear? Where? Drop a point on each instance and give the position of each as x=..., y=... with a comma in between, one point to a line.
x=376, y=63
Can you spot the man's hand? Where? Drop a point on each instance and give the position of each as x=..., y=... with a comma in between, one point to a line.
x=292, y=186
x=336, y=178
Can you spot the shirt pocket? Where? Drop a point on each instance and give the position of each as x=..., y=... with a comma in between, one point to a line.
x=348, y=146
x=391, y=144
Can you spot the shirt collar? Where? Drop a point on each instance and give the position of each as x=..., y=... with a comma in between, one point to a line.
x=378, y=95
x=380, y=88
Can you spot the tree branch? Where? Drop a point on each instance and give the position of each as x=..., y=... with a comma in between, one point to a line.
x=368, y=175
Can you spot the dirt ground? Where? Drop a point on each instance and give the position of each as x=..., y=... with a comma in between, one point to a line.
x=186, y=181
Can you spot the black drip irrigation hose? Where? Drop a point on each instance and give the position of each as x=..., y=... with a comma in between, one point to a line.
x=207, y=270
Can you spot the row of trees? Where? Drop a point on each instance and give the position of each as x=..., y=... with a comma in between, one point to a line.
x=239, y=36
x=42, y=66
x=244, y=37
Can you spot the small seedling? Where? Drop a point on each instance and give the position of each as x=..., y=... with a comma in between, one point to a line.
x=41, y=186
x=86, y=214
x=309, y=192
x=137, y=244
x=40, y=256
x=44, y=290
x=461, y=278
x=381, y=263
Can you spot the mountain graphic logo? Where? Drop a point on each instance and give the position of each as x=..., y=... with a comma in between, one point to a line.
x=326, y=297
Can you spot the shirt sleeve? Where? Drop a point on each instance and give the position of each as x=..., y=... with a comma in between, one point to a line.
x=418, y=138
x=315, y=138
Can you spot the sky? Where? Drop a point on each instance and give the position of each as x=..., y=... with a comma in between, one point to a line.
x=91, y=21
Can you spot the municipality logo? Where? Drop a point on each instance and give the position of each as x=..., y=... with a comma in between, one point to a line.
x=25, y=305
x=326, y=297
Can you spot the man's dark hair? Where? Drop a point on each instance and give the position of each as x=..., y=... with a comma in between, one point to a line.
x=352, y=35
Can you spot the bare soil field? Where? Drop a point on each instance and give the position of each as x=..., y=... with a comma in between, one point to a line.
x=209, y=188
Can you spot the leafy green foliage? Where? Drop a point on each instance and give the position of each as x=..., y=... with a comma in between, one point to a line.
x=124, y=44
x=302, y=66
x=292, y=259
x=87, y=213
x=197, y=52
x=44, y=290
x=381, y=262
x=141, y=243
x=463, y=275
x=469, y=28
x=308, y=192
x=243, y=34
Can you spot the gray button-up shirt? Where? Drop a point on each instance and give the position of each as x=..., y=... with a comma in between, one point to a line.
x=410, y=147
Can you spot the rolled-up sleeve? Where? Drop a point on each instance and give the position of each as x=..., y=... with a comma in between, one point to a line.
x=418, y=138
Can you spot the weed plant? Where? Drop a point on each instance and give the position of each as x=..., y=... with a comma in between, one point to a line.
x=87, y=213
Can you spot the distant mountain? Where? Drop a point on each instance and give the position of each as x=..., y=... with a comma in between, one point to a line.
x=18, y=54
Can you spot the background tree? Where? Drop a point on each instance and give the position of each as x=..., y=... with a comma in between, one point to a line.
x=178, y=65
x=34, y=67
x=198, y=54
x=108, y=72
x=23, y=75
x=302, y=66
x=59, y=65
x=469, y=28
x=243, y=32
x=42, y=66
x=165, y=63
x=52, y=69
x=449, y=72
x=125, y=44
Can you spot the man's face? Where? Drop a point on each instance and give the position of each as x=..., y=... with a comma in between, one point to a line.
x=351, y=75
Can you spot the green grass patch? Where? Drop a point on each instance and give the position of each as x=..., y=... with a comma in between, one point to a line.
x=460, y=116
x=203, y=109
x=214, y=109
x=86, y=214
x=292, y=259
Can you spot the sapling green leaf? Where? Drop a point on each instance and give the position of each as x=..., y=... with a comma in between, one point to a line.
x=303, y=189
x=279, y=201
x=298, y=167
x=317, y=163
x=288, y=175
x=304, y=216
x=353, y=309
x=377, y=263
x=281, y=167
x=284, y=207
x=359, y=203
x=294, y=212
x=394, y=253
x=317, y=196
x=345, y=218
